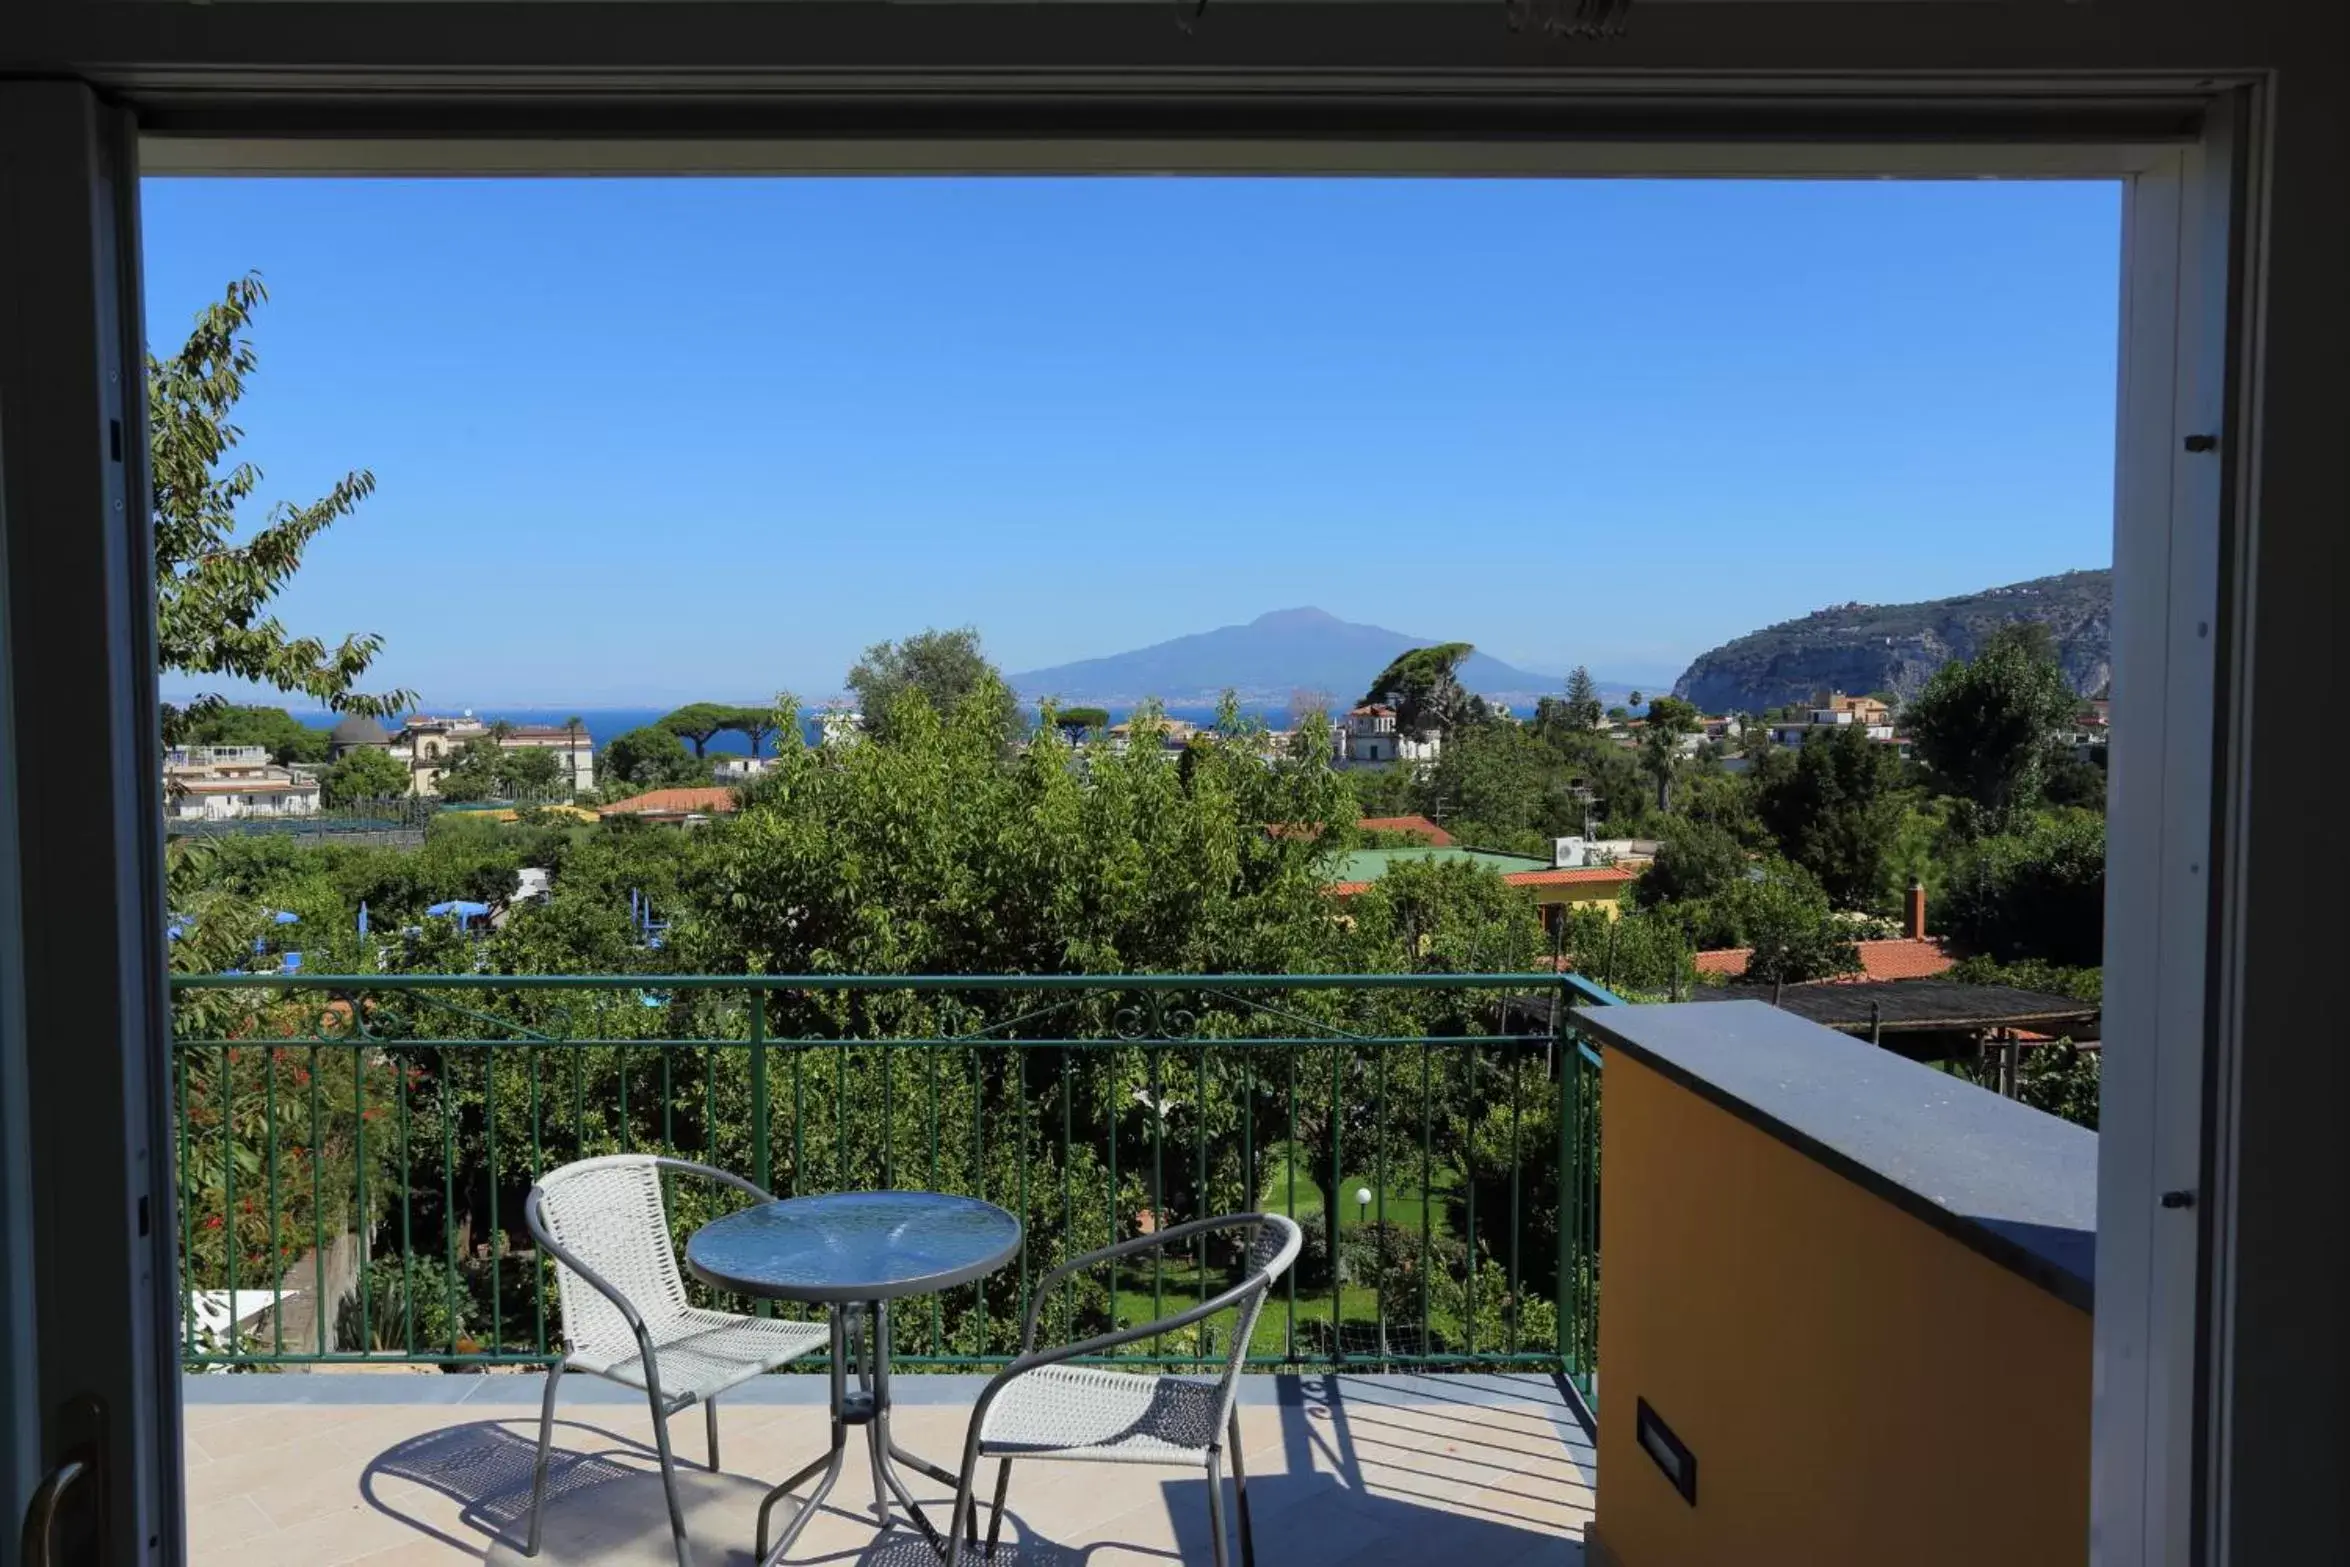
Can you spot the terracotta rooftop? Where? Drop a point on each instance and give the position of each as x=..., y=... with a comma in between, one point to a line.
x=1900, y=958
x=673, y=802
x=1572, y=876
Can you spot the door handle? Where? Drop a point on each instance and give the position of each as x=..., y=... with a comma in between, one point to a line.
x=42, y=1514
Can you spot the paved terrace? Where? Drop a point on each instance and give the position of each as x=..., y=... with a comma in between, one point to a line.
x=322, y=1469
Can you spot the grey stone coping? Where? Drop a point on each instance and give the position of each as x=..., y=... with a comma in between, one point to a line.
x=2015, y=1184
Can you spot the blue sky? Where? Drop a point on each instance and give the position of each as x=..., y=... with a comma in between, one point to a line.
x=657, y=440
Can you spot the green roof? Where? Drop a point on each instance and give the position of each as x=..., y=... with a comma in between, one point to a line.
x=1371, y=864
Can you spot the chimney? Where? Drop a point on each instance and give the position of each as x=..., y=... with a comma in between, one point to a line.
x=1914, y=910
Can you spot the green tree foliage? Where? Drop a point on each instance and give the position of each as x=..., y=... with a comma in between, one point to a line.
x=2071, y=782
x=1695, y=862
x=1836, y=812
x=1794, y=937
x=1577, y=713
x=1443, y=917
x=1396, y=790
x=1076, y=721
x=1669, y=719
x=947, y=668
x=367, y=773
x=2036, y=893
x=1643, y=955
x=2063, y=1080
x=1768, y=904
x=212, y=590
x=648, y=758
x=2050, y=979
x=697, y=722
x=1424, y=687
x=1496, y=785
x=934, y=854
x=1583, y=709
x=228, y=724
x=1982, y=725
x=529, y=772
x=473, y=774
x=486, y=770
x=1711, y=797
x=754, y=724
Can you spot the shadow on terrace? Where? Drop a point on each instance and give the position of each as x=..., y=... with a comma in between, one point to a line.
x=355, y=1153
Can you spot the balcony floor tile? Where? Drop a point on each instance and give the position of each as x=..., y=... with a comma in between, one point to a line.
x=1343, y=1472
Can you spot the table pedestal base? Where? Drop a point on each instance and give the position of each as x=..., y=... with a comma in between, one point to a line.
x=866, y=1405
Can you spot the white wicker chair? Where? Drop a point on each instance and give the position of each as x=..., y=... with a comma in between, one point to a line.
x=1042, y=1406
x=625, y=1316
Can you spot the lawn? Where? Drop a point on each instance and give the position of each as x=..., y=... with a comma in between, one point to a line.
x=1180, y=1287
x=1405, y=1202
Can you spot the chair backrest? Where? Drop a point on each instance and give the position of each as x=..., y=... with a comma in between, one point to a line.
x=609, y=1214
x=1273, y=1244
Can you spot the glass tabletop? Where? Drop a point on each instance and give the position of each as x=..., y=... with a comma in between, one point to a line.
x=854, y=1246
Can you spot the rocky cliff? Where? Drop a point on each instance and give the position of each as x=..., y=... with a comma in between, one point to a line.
x=1894, y=647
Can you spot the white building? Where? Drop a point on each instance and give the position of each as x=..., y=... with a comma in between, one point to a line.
x=1835, y=710
x=227, y=782
x=1370, y=737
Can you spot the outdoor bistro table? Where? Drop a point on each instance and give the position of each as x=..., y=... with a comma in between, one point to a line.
x=856, y=1252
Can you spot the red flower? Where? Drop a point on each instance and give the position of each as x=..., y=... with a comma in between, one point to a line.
x=212, y=1223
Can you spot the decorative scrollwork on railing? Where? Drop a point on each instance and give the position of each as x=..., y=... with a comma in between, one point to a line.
x=1156, y=1017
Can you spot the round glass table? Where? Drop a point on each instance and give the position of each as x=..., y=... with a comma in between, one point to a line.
x=855, y=1252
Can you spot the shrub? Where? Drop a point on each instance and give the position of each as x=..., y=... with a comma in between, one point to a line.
x=438, y=1301
x=2039, y=893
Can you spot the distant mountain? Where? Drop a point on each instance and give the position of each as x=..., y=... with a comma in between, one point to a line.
x=1264, y=661
x=1895, y=647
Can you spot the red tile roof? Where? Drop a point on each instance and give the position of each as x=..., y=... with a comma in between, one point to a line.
x=1900, y=958
x=1420, y=826
x=1904, y=958
x=1572, y=876
x=673, y=802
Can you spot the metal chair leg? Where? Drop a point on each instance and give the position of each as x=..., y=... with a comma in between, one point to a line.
x=1248, y=1536
x=710, y=1420
x=538, y=1473
x=962, y=1517
x=1216, y=1505
x=995, y=1514
x=685, y=1551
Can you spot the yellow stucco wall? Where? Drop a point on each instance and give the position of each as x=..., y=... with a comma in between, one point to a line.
x=1581, y=895
x=1859, y=1389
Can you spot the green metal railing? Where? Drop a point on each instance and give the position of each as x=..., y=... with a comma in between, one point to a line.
x=404, y=1117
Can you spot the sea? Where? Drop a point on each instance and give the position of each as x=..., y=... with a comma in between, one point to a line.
x=603, y=723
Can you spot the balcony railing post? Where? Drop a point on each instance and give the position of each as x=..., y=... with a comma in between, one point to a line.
x=762, y=1167
x=1569, y=1198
